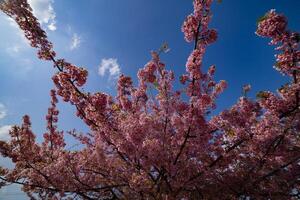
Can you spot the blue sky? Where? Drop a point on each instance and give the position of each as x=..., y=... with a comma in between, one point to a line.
x=118, y=35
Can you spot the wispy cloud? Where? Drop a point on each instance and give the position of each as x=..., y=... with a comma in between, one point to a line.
x=111, y=66
x=16, y=46
x=4, y=132
x=43, y=10
x=3, y=111
x=75, y=41
x=13, y=49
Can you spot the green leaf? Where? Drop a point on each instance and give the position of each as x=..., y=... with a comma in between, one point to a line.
x=260, y=19
x=155, y=84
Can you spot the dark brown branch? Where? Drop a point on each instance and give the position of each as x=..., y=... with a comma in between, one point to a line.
x=182, y=146
x=275, y=171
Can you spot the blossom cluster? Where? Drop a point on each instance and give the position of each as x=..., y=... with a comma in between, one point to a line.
x=53, y=138
x=274, y=25
x=190, y=28
x=21, y=12
x=67, y=78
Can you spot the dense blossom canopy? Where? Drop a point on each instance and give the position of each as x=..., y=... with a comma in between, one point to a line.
x=142, y=146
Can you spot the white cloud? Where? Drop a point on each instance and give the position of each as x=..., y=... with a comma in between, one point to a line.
x=111, y=66
x=44, y=11
x=75, y=41
x=2, y=111
x=4, y=132
x=13, y=49
x=52, y=26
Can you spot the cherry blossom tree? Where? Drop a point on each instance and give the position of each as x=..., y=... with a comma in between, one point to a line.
x=166, y=146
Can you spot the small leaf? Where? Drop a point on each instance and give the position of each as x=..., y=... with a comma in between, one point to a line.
x=277, y=65
x=283, y=88
x=262, y=95
x=230, y=133
x=260, y=19
x=155, y=84
x=115, y=107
